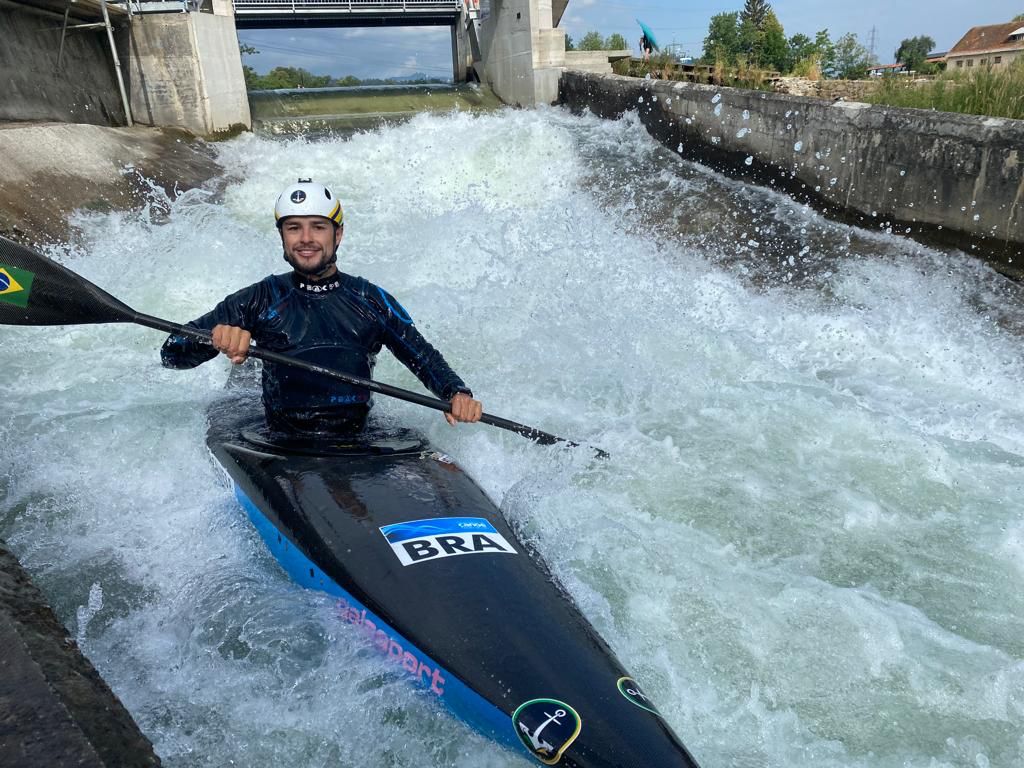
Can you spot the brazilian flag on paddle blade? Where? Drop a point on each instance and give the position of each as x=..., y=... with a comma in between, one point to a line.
x=15, y=285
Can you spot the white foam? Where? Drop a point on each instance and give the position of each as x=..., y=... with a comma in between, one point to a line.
x=798, y=546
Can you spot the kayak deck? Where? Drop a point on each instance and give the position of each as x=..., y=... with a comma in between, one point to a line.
x=424, y=563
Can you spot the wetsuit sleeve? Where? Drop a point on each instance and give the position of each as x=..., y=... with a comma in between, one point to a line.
x=240, y=309
x=415, y=352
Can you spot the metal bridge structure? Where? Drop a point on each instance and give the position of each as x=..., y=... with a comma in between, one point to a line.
x=283, y=14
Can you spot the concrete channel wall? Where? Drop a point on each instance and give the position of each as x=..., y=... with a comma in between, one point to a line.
x=55, y=709
x=80, y=88
x=941, y=178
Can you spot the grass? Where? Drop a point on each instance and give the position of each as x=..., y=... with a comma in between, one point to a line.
x=664, y=67
x=987, y=91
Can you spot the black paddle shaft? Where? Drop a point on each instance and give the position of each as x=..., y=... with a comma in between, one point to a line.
x=35, y=290
x=537, y=435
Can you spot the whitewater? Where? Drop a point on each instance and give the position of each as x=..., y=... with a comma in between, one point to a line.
x=807, y=546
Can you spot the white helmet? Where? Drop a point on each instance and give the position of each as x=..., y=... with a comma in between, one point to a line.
x=307, y=198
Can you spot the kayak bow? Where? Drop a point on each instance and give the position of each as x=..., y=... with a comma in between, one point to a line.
x=424, y=566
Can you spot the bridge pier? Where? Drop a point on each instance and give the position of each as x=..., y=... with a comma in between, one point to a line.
x=462, y=59
x=523, y=51
x=184, y=70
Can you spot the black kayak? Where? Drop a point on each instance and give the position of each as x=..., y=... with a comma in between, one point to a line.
x=424, y=564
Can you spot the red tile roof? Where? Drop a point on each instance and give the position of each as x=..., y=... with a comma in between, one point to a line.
x=994, y=37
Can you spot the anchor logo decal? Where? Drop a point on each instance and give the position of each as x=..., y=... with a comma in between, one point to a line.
x=631, y=689
x=547, y=727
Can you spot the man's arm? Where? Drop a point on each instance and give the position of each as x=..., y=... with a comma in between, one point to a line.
x=419, y=356
x=227, y=322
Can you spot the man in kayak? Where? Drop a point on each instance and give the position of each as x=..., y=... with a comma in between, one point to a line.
x=321, y=316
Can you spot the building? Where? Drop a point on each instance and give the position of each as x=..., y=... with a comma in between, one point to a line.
x=994, y=46
x=879, y=70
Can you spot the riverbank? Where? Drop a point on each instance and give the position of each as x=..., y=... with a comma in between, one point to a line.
x=57, y=709
x=943, y=179
x=53, y=169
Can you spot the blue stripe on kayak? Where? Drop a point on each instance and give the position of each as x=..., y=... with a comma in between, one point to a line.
x=462, y=700
x=417, y=529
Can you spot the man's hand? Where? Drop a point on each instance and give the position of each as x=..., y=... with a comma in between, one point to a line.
x=233, y=342
x=464, y=408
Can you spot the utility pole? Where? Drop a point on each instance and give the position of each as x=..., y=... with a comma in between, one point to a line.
x=871, y=45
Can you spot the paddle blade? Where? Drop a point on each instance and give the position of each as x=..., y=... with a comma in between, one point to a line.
x=35, y=290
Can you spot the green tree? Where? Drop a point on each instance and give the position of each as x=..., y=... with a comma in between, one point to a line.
x=755, y=12
x=253, y=81
x=246, y=50
x=750, y=41
x=1018, y=17
x=291, y=77
x=723, y=40
x=762, y=40
x=774, y=48
x=913, y=52
x=801, y=47
x=852, y=60
x=826, y=52
x=569, y=45
x=592, y=41
x=616, y=42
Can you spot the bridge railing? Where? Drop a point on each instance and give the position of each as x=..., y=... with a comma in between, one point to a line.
x=348, y=6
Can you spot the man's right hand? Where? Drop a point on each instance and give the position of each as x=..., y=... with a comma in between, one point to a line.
x=232, y=341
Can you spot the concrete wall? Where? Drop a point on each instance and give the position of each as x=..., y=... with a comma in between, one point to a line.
x=83, y=90
x=184, y=70
x=55, y=709
x=938, y=177
x=523, y=54
x=49, y=170
x=589, y=61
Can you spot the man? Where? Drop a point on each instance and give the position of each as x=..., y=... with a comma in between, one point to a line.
x=646, y=47
x=322, y=316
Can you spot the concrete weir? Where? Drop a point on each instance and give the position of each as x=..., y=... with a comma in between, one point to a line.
x=941, y=178
x=55, y=709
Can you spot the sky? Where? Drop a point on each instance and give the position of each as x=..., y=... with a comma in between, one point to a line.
x=395, y=52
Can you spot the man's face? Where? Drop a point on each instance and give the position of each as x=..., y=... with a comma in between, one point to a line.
x=309, y=243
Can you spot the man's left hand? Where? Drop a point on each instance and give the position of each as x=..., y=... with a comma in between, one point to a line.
x=464, y=408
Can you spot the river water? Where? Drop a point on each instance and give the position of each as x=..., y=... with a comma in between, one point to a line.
x=808, y=544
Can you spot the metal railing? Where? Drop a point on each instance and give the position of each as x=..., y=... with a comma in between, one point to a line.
x=362, y=7
x=158, y=6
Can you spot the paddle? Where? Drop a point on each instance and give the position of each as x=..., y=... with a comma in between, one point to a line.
x=35, y=290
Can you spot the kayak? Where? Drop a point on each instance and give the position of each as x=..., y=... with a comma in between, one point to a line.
x=420, y=561
x=423, y=564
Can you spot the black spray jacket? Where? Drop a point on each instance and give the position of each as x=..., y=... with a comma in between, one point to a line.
x=338, y=323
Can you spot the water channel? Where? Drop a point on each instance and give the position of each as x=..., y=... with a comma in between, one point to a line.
x=808, y=544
